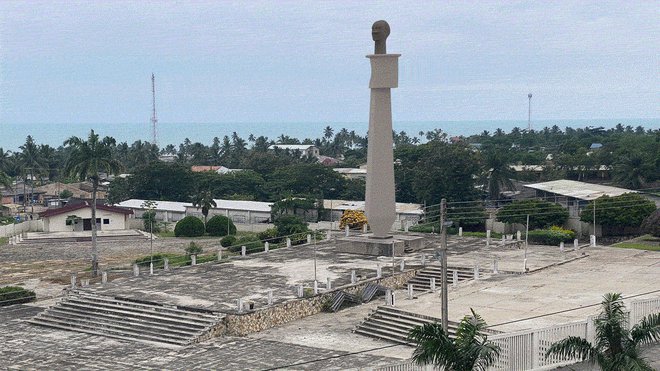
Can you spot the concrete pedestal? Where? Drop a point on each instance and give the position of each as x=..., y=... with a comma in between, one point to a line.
x=365, y=244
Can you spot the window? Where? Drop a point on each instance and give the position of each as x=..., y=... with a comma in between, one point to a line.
x=98, y=220
x=106, y=221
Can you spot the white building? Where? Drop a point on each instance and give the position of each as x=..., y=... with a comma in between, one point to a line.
x=167, y=211
x=243, y=212
x=78, y=217
x=404, y=211
x=308, y=150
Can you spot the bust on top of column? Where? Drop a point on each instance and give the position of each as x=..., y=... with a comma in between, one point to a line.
x=379, y=32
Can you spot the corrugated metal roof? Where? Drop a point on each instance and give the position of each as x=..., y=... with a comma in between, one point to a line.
x=243, y=205
x=160, y=205
x=581, y=190
x=401, y=208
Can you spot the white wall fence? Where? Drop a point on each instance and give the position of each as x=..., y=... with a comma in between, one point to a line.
x=16, y=229
x=525, y=350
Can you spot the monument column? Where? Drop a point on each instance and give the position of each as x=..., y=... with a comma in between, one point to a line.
x=380, y=202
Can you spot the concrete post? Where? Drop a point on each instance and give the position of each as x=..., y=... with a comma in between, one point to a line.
x=239, y=304
x=561, y=246
x=503, y=239
x=151, y=269
x=488, y=237
x=365, y=228
x=495, y=270
x=243, y=251
x=432, y=284
x=104, y=277
x=476, y=271
x=460, y=231
x=346, y=231
x=402, y=265
x=388, y=297
x=410, y=291
x=576, y=243
x=288, y=242
x=592, y=240
x=266, y=246
x=518, y=236
x=328, y=234
x=423, y=259
x=220, y=254
x=309, y=238
x=136, y=270
x=454, y=280
x=270, y=297
x=393, y=298
x=301, y=290
x=328, y=283
x=406, y=226
x=166, y=264
x=525, y=269
x=353, y=276
x=379, y=272
x=316, y=287
x=193, y=259
x=73, y=280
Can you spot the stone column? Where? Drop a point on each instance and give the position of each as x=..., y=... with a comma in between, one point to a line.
x=380, y=207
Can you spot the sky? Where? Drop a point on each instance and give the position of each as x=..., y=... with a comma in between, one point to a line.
x=304, y=61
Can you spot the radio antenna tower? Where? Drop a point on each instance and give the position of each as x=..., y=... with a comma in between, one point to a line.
x=529, y=113
x=154, y=120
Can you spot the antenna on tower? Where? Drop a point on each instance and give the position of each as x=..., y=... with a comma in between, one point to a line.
x=529, y=113
x=154, y=120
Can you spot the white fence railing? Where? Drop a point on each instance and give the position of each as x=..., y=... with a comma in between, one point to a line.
x=525, y=350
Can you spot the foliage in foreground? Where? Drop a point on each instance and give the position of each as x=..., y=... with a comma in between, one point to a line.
x=615, y=347
x=552, y=236
x=471, y=350
x=10, y=295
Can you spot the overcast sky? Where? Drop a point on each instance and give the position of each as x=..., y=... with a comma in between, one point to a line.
x=295, y=61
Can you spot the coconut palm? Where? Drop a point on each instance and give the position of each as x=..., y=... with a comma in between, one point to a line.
x=470, y=350
x=497, y=174
x=615, y=347
x=86, y=160
x=205, y=201
x=5, y=180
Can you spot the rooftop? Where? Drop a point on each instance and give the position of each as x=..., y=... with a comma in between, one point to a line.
x=159, y=205
x=580, y=190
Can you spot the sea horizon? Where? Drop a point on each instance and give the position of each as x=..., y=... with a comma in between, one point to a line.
x=12, y=136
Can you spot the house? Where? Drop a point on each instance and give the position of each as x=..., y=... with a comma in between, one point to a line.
x=78, y=217
x=167, y=211
x=202, y=168
x=352, y=173
x=243, y=212
x=53, y=191
x=306, y=150
x=19, y=193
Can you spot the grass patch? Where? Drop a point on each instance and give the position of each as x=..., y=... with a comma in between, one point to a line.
x=10, y=295
x=637, y=246
x=4, y=240
x=165, y=234
x=482, y=234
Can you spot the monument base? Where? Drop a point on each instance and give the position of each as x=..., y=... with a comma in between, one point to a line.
x=365, y=244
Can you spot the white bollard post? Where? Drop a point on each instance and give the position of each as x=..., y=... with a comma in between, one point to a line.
x=402, y=265
x=104, y=277
x=243, y=250
x=576, y=243
x=328, y=234
x=301, y=290
x=270, y=297
x=220, y=254
x=136, y=270
x=476, y=271
x=316, y=287
x=166, y=264
x=460, y=231
x=406, y=226
x=346, y=231
x=239, y=304
x=353, y=276
x=410, y=291
x=592, y=240
x=503, y=239
x=365, y=228
x=488, y=237
x=309, y=238
x=288, y=242
x=266, y=247
x=423, y=258
x=73, y=280
x=379, y=271
x=561, y=246
x=388, y=297
x=432, y=284
x=151, y=269
x=454, y=278
x=193, y=259
x=525, y=269
x=495, y=270
x=328, y=283
x=518, y=236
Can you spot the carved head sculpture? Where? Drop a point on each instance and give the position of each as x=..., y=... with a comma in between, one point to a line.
x=379, y=32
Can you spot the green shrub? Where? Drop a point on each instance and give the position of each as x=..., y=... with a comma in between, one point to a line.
x=159, y=261
x=10, y=295
x=219, y=225
x=269, y=235
x=252, y=244
x=552, y=236
x=189, y=226
x=227, y=241
x=287, y=225
x=626, y=210
x=650, y=225
x=149, y=221
x=542, y=214
x=193, y=249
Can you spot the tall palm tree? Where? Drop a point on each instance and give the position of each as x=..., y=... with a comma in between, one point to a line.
x=497, y=174
x=470, y=350
x=615, y=347
x=86, y=160
x=205, y=201
x=5, y=180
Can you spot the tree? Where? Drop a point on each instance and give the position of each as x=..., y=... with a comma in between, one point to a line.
x=220, y=225
x=626, y=210
x=615, y=347
x=288, y=225
x=86, y=160
x=190, y=226
x=5, y=180
x=205, y=201
x=470, y=350
x=542, y=214
x=497, y=173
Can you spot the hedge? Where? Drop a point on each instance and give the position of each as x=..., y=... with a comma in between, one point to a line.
x=11, y=295
x=552, y=236
x=219, y=225
x=542, y=214
x=189, y=226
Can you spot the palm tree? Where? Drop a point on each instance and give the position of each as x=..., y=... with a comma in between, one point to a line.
x=86, y=160
x=205, y=201
x=470, y=350
x=615, y=347
x=5, y=180
x=498, y=174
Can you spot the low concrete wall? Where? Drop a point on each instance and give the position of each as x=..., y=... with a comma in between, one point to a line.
x=27, y=226
x=262, y=319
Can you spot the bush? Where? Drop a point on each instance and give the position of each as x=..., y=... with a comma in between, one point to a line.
x=219, y=225
x=542, y=214
x=627, y=210
x=269, y=235
x=193, y=249
x=149, y=222
x=228, y=241
x=252, y=244
x=159, y=261
x=651, y=225
x=11, y=295
x=552, y=236
x=189, y=226
x=354, y=219
x=288, y=225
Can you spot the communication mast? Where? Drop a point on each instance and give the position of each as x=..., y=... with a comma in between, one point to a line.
x=154, y=120
x=529, y=113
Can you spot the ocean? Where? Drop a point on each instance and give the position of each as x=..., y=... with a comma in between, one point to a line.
x=13, y=135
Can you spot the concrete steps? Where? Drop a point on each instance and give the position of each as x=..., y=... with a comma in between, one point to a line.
x=126, y=319
x=422, y=280
x=392, y=324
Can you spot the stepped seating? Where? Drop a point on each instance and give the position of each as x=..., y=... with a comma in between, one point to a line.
x=392, y=324
x=422, y=280
x=126, y=319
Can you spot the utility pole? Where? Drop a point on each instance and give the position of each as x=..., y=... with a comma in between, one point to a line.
x=443, y=251
x=154, y=120
x=594, y=218
x=526, y=242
